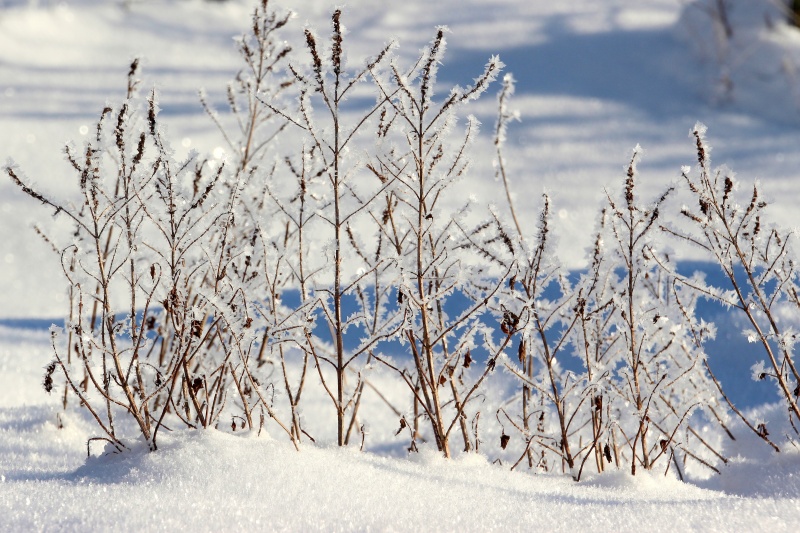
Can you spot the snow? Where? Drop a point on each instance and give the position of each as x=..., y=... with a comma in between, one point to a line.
x=214, y=481
x=593, y=80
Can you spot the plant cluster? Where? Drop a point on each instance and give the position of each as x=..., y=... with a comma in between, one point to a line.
x=207, y=292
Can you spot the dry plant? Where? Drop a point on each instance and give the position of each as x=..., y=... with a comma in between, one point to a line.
x=144, y=313
x=758, y=263
x=331, y=176
x=793, y=13
x=542, y=311
x=264, y=55
x=206, y=291
x=625, y=319
x=422, y=161
x=260, y=244
x=641, y=344
x=159, y=274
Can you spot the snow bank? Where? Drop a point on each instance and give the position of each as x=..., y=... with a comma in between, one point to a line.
x=212, y=481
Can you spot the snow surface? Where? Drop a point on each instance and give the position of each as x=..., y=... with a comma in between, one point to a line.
x=594, y=80
x=219, y=481
x=211, y=481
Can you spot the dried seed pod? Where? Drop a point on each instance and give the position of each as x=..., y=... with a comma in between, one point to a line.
x=504, y=440
x=336, y=47
x=598, y=403
x=509, y=323
x=607, y=453
x=403, y=425
x=514, y=319
x=48, y=377
x=467, y=359
x=580, y=307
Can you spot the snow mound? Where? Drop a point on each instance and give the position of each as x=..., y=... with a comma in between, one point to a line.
x=213, y=481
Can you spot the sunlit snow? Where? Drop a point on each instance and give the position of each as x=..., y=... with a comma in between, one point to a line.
x=593, y=80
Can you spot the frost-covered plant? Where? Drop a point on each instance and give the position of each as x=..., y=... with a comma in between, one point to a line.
x=342, y=194
x=595, y=342
x=740, y=42
x=262, y=79
x=638, y=323
x=422, y=160
x=261, y=242
x=542, y=310
x=539, y=307
x=659, y=345
x=629, y=323
x=204, y=291
x=164, y=324
x=758, y=262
